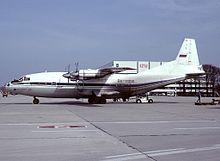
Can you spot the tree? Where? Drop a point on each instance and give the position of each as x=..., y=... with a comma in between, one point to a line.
x=212, y=75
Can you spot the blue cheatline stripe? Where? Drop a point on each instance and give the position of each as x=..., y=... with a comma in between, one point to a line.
x=163, y=82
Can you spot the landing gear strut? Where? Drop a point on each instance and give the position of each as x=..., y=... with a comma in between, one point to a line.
x=36, y=101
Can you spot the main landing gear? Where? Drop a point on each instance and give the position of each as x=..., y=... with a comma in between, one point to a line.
x=97, y=100
x=36, y=101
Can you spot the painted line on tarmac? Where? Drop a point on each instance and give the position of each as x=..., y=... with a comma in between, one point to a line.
x=124, y=157
x=62, y=131
x=110, y=122
x=214, y=147
x=153, y=122
x=197, y=128
x=60, y=126
x=42, y=123
x=131, y=155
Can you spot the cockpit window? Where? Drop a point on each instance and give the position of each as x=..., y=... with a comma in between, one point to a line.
x=15, y=81
x=24, y=79
x=21, y=79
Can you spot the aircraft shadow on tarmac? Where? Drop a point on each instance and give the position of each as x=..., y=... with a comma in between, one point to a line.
x=214, y=108
x=76, y=103
x=85, y=104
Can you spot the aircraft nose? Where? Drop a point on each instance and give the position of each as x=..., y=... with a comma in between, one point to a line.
x=7, y=84
x=7, y=87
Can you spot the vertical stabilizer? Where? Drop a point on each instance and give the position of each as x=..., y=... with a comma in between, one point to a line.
x=188, y=53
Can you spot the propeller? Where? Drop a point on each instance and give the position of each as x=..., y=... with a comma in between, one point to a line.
x=72, y=75
x=68, y=74
x=77, y=66
x=76, y=74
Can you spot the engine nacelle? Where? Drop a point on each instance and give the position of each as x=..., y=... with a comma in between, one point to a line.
x=94, y=73
x=88, y=73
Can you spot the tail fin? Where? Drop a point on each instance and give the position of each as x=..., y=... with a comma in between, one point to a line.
x=188, y=54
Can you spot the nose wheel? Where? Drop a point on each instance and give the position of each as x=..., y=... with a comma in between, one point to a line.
x=36, y=101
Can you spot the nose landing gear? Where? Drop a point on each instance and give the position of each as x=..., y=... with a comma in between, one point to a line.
x=36, y=101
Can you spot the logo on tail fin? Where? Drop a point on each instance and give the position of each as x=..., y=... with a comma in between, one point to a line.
x=182, y=56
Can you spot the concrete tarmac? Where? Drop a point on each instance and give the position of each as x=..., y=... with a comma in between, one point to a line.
x=171, y=129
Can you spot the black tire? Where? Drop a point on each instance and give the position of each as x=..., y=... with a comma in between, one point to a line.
x=150, y=101
x=103, y=101
x=91, y=100
x=138, y=101
x=36, y=101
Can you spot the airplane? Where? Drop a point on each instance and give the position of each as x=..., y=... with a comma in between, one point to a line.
x=97, y=85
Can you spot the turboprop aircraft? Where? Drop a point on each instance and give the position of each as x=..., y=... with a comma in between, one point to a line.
x=109, y=83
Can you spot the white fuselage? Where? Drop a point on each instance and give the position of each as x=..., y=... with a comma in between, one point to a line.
x=107, y=83
x=53, y=84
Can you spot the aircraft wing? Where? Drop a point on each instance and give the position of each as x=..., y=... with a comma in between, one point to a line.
x=111, y=70
x=94, y=74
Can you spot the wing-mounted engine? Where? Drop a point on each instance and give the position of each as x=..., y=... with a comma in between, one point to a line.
x=84, y=74
x=94, y=73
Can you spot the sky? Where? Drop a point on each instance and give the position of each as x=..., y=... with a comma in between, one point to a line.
x=47, y=35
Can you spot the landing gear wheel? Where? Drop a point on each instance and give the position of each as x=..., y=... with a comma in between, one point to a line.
x=36, y=101
x=96, y=100
x=91, y=100
x=138, y=101
x=102, y=101
x=150, y=100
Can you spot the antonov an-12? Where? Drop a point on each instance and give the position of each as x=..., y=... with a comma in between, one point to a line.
x=109, y=83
